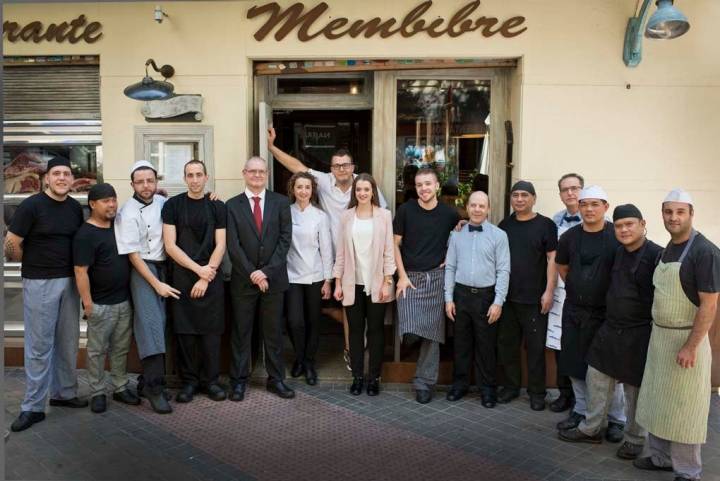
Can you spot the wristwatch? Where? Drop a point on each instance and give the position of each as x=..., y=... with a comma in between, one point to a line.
x=388, y=281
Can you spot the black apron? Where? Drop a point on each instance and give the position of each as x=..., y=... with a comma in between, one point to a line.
x=620, y=346
x=205, y=315
x=584, y=309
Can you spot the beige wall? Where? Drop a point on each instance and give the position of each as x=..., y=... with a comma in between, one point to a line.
x=570, y=106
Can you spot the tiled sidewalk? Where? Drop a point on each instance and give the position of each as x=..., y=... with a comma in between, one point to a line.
x=323, y=434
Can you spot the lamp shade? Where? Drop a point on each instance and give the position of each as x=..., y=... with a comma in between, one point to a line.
x=149, y=89
x=667, y=22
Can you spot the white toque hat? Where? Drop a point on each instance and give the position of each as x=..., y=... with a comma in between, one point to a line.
x=142, y=164
x=593, y=192
x=678, y=195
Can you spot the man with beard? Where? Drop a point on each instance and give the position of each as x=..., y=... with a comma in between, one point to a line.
x=103, y=280
x=422, y=228
x=618, y=351
x=138, y=231
x=674, y=401
x=194, y=238
x=40, y=235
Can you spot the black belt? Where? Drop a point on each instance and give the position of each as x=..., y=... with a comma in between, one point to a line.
x=683, y=328
x=474, y=290
x=156, y=263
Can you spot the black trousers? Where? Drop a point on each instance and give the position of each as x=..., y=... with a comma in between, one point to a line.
x=303, y=311
x=198, y=359
x=520, y=321
x=473, y=335
x=361, y=314
x=246, y=307
x=153, y=375
x=563, y=382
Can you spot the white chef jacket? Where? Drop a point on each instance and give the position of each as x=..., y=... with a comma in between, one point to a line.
x=310, y=258
x=138, y=228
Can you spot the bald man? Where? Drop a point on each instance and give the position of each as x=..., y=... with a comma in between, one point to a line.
x=477, y=274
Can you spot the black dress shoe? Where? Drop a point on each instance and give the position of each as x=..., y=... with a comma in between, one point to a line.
x=238, y=392
x=647, y=464
x=69, y=403
x=158, y=399
x=310, y=374
x=373, y=387
x=574, y=435
x=505, y=395
x=298, y=369
x=615, y=432
x=537, y=402
x=215, y=392
x=456, y=394
x=185, y=395
x=126, y=397
x=25, y=420
x=562, y=403
x=423, y=396
x=488, y=401
x=572, y=421
x=98, y=404
x=629, y=450
x=356, y=388
x=280, y=389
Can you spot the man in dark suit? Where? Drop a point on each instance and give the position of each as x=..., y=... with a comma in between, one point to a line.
x=259, y=231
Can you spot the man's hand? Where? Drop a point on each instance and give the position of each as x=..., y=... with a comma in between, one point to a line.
x=338, y=292
x=198, y=290
x=460, y=225
x=213, y=196
x=686, y=357
x=402, y=285
x=450, y=310
x=546, y=302
x=257, y=276
x=493, y=313
x=207, y=273
x=384, y=292
x=326, y=290
x=263, y=285
x=87, y=310
x=165, y=290
x=271, y=136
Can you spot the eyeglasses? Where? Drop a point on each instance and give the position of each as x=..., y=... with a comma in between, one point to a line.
x=256, y=172
x=573, y=188
x=145, y=182
x=345, y=166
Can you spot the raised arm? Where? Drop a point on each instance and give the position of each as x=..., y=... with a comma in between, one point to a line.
x=291, y=163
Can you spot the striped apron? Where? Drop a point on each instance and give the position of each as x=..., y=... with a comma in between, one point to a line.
x=674, y=403
x=421, y=311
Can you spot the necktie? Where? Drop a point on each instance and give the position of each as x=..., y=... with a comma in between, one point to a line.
x=474, y=228
x=257, y=214
x=571, y=218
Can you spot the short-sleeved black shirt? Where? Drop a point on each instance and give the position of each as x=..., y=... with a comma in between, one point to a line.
x=424, y=234
x=700, y=270
x=108, y=271
x=47, y=227
x=191, y=215
x=530, y=241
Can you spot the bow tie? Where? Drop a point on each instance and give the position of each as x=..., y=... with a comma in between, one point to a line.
x=474, y=228
x=571, y=218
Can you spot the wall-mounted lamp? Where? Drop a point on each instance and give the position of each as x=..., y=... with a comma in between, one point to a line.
x=160, y=15
x=151, y=89
x=667, y=22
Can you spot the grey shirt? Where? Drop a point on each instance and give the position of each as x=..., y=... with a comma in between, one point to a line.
x=478, y=259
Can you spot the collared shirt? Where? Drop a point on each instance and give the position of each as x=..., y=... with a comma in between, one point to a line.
x=310, y=258
x=333, y=200
x=560, y=221
x=250, y=196
x=478, y=259
x=138, y=228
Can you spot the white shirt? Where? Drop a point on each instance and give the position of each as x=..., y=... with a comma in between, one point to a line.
x=333, y=200
x=138, y=228
x=310, y=258
x=362, y=235
x=250, y=196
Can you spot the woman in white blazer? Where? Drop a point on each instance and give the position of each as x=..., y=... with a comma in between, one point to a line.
x=363, y=271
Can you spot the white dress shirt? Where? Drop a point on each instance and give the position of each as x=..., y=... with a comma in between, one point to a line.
x=250, y=196
x=310, y=258
x=138, y=228
x=362, y=236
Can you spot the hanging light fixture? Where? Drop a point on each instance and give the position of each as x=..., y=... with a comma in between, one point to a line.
x=666, y=23
x=150, y=89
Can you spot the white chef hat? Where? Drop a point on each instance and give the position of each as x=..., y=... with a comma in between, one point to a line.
x=593, y=192
x=142, y=164
x=678, y=195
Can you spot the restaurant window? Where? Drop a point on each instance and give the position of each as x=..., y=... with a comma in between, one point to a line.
x=442, y=124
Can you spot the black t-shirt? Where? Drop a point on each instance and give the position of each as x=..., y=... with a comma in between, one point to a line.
x=191, y=220
x=47, y=227
x=108, y=271
x=530, y=241
x=424, y=234
x=700, y=270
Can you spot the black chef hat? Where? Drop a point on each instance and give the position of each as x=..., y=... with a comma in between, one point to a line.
x=625, y=211
x=101, y=191
x=523, y=185
x=58, y=161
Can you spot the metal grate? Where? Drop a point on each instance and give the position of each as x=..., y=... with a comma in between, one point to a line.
x=47, y=92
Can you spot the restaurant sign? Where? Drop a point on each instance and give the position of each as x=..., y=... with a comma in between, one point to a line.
x=312, y=23
x=74, y=31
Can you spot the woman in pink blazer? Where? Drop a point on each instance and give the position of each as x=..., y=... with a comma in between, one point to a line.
x=363, y=271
